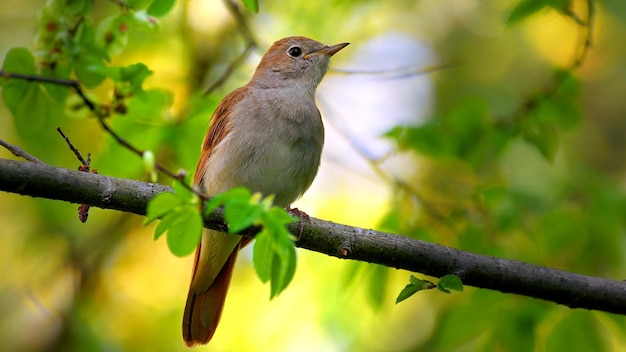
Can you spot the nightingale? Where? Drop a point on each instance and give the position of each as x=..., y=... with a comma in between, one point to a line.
x=267, y=136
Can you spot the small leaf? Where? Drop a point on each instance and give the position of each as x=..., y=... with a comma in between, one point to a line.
x=163, y=225
x=415, y=285
x=525, y=8
x=450, y=282
x=262, y=255
x=33, y=111
x=284, y=264
x=252, y=5
x=19, y=60
x=184, y=193
x=184, y=232
x=148, y=160
x=240, y=214
x=160, y=8
x=160, y=205
x=544, y=137
x=78, y=7
x=137, y=4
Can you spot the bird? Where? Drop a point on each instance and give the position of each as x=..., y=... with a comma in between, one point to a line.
x=266, y=136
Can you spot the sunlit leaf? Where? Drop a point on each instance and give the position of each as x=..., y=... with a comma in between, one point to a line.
x=160, y=8
x=240, y=214
x=415, y=285
x=184, y=232
x=252, y=5
x=137, y=4
x=263, y=256
x=525, y=8
x=160, y=205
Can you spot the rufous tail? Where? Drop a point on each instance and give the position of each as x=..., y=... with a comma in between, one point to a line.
x=203, y=309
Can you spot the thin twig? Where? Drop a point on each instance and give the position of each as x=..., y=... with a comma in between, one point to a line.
x=400, y=72
x=58, y=81
x=74, y=150
x=242, y=21
x=19, y=152
x=552, y=87
x=251, y=44
x=586, y=37
x=230, y=69
x=101, y=119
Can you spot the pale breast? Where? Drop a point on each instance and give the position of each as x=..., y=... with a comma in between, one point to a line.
x=272, y=148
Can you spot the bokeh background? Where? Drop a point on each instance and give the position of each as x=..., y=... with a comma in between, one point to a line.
x=559, y=202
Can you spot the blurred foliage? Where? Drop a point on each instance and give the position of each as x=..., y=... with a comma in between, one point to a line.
x=521, y=156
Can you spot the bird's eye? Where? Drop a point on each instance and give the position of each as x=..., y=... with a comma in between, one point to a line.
x=294, y=51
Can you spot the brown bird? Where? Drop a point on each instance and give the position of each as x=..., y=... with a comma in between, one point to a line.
x=266, y=136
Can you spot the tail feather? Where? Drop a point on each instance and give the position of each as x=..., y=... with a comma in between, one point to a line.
x=203, y=309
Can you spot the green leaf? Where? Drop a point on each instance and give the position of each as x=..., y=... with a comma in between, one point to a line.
x=525, y=8
x=112, y=33
x=241, y=214
x=544, y=137
x=274, y=254
x=137, y=4
x=33, y=110
x=19, y=60
x=562, y=6
x=414, y=286
x=160, y=8
x=284, y=264
x=184, y=231
x=450, y=282
x=78, y=7
x=427, y=139
x=185, y=193
x=145, y=21
x=163, y=225
x=252, y=5
x=160, y=205
x=89, y=70
x=262, y=255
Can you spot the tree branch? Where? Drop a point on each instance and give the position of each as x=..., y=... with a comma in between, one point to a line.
x=342, y=241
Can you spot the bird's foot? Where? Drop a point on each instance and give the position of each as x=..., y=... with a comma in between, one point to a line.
x=300, y=215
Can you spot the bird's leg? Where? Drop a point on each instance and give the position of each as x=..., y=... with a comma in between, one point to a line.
x=300, y=215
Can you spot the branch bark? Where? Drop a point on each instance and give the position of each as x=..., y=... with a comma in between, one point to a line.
x=342, y=241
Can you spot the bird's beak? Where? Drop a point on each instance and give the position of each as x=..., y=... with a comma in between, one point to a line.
x=327, y=50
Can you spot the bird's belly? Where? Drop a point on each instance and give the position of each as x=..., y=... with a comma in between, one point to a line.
x=285, y=171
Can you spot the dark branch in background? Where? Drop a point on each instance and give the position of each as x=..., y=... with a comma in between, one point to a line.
x=251, y=44
x=400, y=72
x=57, y=81
x=342, y=241
x=229, y=70
x=101, y=120
x=579, y=56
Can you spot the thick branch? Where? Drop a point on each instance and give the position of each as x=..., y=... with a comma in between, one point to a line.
x=510, y=276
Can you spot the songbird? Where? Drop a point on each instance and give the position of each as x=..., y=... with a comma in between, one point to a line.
x=267, y=136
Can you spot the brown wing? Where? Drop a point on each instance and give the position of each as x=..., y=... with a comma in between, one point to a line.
x=221, y=123
x=203, y=309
